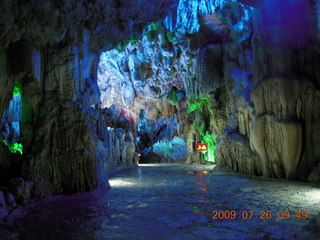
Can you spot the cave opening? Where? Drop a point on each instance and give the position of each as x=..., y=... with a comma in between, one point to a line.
x=160, y=119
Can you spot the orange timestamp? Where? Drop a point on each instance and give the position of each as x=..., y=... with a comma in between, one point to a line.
x=246, y=214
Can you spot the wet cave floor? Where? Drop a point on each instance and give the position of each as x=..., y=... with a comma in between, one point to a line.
x=175, y=201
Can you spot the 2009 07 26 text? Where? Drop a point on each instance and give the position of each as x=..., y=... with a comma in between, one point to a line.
x=249, y=214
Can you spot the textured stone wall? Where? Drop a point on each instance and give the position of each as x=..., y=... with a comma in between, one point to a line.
x=243, y=77
x=53, y=49
x=147, y=78
x=249, y=76
x=273, y=95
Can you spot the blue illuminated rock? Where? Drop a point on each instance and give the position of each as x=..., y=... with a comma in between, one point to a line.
x=185, y=18
x=3, y=206
x=11, y=121
x=87, y=69
x=252, y=3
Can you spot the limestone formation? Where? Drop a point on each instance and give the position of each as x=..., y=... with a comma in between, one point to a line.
x=89, y=86
x=53, y=50
x=269, y=112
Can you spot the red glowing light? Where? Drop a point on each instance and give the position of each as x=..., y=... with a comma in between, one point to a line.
x=202, y=147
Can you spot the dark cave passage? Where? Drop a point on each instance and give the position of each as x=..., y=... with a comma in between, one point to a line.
x=159, y=119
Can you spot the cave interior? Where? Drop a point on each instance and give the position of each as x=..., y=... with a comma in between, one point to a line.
x=159, y=119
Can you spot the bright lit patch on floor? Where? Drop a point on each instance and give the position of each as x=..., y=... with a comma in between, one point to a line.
x=121, y=182
x=314, y=194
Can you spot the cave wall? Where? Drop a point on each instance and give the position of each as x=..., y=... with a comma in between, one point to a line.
x=234, y=74
x=145, y=80
x=251, y=83
x=165, y=72
x=53, y=49
x=272, y=131
x=249, y=77
x=254, y=94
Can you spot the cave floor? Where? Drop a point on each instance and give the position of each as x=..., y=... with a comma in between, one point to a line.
x=173, y=201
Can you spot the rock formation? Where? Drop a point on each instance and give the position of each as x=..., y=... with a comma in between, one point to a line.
x=274, y=126
x=53, y=50
x=99, y=81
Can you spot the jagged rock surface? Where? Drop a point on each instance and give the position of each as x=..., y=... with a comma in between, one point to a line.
x=239, y=63
x=251, y=75
x=271, y=99
x=146, y=72
x=53, y=49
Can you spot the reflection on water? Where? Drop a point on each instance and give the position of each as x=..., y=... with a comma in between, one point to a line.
x=200, y=195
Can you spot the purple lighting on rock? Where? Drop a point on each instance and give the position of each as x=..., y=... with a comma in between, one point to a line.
x=286, y=24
